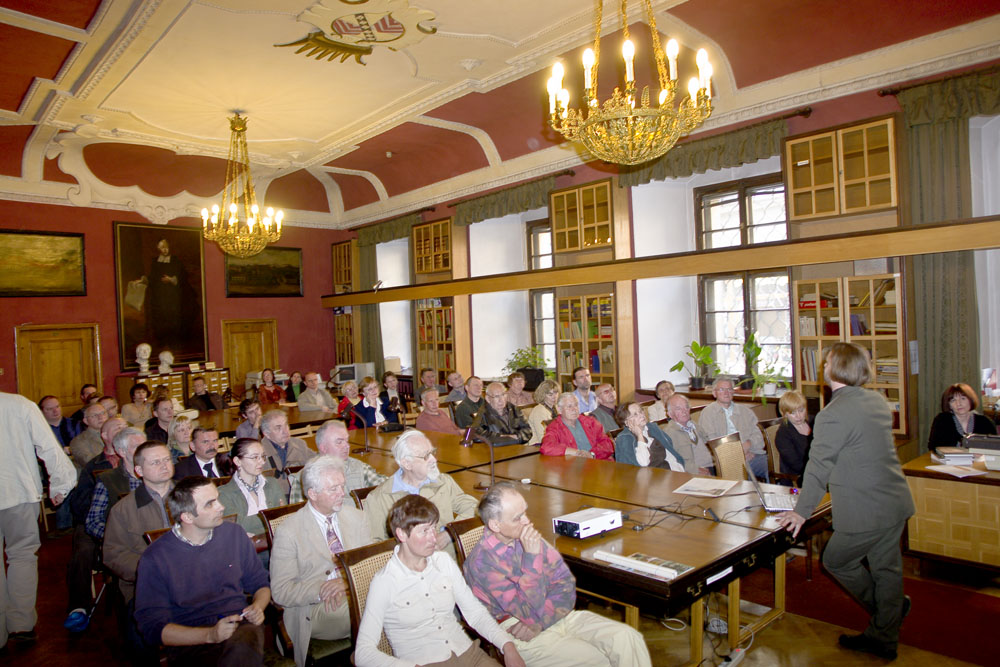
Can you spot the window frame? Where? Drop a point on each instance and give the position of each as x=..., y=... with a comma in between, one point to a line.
x=741, y=187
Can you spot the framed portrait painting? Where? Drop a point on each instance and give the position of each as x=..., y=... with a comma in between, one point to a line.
x=159, y=272
x=42, y=264
x=274, y=271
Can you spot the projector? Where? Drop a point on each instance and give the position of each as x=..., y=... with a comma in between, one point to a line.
x=587, y=523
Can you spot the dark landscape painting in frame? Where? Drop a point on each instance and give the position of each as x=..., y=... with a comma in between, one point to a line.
x=159, y=272
x=42, y=264
x=273, y=272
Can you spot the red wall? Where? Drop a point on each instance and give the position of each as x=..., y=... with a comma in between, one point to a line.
x=305, y=329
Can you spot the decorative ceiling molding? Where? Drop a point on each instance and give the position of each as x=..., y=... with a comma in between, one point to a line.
x=43, y=26
x=376, y=182
x=480, y=135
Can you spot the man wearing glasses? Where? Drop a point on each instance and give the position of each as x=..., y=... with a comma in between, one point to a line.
x=725, y=416
x=418, y=474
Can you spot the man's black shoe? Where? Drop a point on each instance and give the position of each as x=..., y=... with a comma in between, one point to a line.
x=866, y=644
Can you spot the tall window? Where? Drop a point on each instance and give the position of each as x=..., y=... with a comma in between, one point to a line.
x=741, y=213
x=543, y=312
x=539, y=244
x=744, y=212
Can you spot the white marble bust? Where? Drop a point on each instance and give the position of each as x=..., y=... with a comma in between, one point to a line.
x=166, y=362
x=142, y=352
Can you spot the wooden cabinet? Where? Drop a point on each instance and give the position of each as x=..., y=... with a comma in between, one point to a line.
x=586, y=332
x=178, y=383
x=343, y=327
x=216, y=379
x=342, y=261
x=436, y=337
x=581, y=217
x=850, y=170
x=432, y=247
x=865, y=310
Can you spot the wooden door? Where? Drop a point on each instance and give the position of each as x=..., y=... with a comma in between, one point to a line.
x=248, y=346
x=58, y=359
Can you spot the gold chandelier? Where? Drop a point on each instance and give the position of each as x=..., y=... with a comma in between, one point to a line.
x=617, y=131
x=244, y=233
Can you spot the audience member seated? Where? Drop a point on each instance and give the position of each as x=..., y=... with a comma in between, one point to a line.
x=192, y=585
x=138, y=412
x=412, y=599
x=573, y=434
x=295, y=387
x=726, y=416
x=206, y=460
x=332, y=440
x=179, y=437
x=418, y=474
x=157, y=425
x=249, y=491
x=114, y=484
x=584, y=396
x=269, y=393
x=607, y=404
x=372, y=410
x=501, y=419
x=305, y=577
x=85, y=550
x=428, y=380
x=88, y=443
x=958, y=417
x=142, y=510
x=394, y=402
x=795, y=434
x=204, y=400
x=64, y=428
x=251, y=410
x=466, y=411
x=88, y=394
x=545, y=395
x=456, y=387
x=110, y=405
x=516, y=395
x=643, y=443
x=527, y=588
x=281, y=450
x=688, y=440
x=316, y=397
x=432, y=418
x=349, y=402
x=658, y=409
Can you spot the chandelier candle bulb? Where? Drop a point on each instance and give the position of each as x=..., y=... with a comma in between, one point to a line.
x=707, y=83
x=673, y=48
x=588, y=68
x=628, y=53
x=693, y=86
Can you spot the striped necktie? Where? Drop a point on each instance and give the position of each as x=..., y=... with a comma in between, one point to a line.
x=331, y=539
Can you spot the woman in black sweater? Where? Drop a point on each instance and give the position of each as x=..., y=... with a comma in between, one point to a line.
x=958, y=417
x=795, y=434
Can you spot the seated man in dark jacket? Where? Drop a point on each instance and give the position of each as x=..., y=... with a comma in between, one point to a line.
x=501, y=419
x=203, y=399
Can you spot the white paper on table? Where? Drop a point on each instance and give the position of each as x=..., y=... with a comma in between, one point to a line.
x=708, y=487
x=957, y=471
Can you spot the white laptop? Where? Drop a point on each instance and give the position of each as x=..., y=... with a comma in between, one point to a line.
x=772, y=502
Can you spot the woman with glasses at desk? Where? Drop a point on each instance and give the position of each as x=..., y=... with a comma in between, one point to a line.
x=958, y=417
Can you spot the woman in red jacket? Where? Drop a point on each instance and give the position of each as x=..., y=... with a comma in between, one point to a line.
x=573, y=434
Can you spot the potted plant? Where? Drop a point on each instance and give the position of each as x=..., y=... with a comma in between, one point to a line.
x=765, y=376
x=702, y=364
x=531, y=362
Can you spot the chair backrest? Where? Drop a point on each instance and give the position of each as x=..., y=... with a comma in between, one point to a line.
x=359, y=496
x=614, y=432
x=466, y=534
x=696, y=412
x=221, y=481
x=360, y=566
x=152, y=535
x=727, y=452
x=768, y=429
x=302, y=431
x=450, y=407
x=273, y=516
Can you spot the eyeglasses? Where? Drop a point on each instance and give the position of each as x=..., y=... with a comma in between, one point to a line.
x=431, y=452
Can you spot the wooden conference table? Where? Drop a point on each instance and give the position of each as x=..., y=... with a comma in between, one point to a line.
x=449, y=448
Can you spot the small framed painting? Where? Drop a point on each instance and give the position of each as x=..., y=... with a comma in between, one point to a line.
x=42, y=264
x=273, y=272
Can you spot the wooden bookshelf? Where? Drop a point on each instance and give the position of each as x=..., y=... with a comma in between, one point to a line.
x=586, y=337
x=581, y=217
x=432, y=247
x=344, y=258
x=343, y=326
x=865, y=310
x=343, y=266
x=436, y=336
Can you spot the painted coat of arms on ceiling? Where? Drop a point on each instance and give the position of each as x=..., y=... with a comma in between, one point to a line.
x=351, y=28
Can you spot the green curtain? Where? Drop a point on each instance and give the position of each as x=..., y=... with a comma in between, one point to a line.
x=383, y=232
x=371, y=323
x=936, y=126
x=524, y=197
x=731, y=149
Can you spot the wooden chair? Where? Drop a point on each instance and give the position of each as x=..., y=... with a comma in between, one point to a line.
x=360, y=566
x=152, y=535
x=696, y=412
x=768, y=429
x=359, y=496
x=409, y=418
x=221, y=481
x=727, y=453
x=273, y=516
x=466, y=534
x=301, y=432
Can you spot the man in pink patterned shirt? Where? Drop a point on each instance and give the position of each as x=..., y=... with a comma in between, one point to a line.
x=525, y=584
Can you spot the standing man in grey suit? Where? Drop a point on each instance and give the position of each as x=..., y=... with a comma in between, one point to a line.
x=305, y=577
x=853, y=453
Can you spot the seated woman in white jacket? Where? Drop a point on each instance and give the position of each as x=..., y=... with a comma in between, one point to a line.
x=413, y=600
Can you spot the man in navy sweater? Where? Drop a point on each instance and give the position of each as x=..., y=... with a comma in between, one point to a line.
x=192, y=584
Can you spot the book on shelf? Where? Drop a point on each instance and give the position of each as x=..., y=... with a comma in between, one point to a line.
x=859, y=324
x=831, y=326
x=881, y=290
x=807, y=326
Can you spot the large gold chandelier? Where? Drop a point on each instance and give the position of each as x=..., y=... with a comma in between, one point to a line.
x=244, y=232
x=617, y=131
